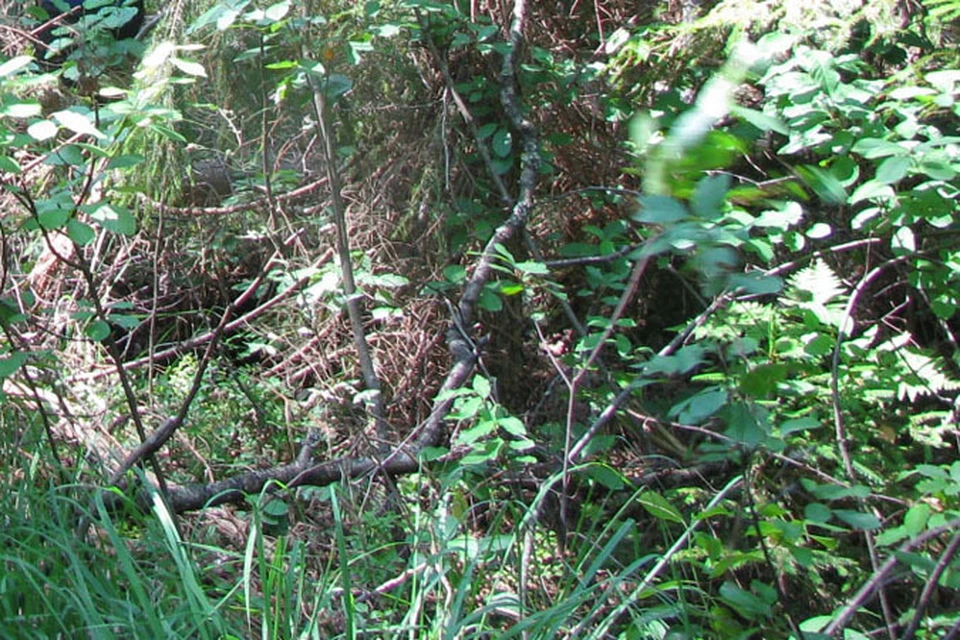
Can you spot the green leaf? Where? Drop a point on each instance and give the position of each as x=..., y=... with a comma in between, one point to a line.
x=481, y=429
x=760, y=120
x=82, y=234
x=97, y=330
x=489, y=301
x=78, y=123
x=481, y=386
x=701, y=406
x=798, y=424
x=53, y=218
x=276, y=508
x=871, y=148
x=483, y=453
x=763, y=379
x=817, y=513
x=893, y=169
x=858, y=519
x=124, y=320
x=42, y=130
x=744, y=603
x=113, y=217
x=502, y=143
x=660, y=210
x=709, y=195
x=823, y=183
x=915, y=520
x=10, y=364
x=466, y=408
x=657, y=506
x=14, y=65
x=605, y=476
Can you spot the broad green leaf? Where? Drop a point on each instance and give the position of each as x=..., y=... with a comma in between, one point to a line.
x=97, y=330
x=799, y=424
x=53, y=218
x=893, y=169
x=709, y=196
x=605, y=476
x=9, y=165
x=42, y=130
x=827, y=187
x=489, y=301
x=872, y=190
x=817, y=513
x=743, y=602
x=915, y=520
x=760, y=120
x=871, y=148
x=474, y=433
x=502, y=143
x=858, y=519
x=189, y=67
x=904, y=241
x=481, y=386
x=125, y=161
x=10, y=364
x=82, y=234
x=657, y=506
x=21, y=109
x=126, y=321
x=656, y=209
x=113, y=218
x=78, y=123
x=14, y=65
x=701, y=406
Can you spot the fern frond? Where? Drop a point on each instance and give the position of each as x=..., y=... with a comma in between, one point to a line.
x=817, y=284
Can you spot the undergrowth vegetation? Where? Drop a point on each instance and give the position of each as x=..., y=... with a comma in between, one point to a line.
x=448, y=319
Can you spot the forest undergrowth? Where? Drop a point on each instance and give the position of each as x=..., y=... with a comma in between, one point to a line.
x=421, y=318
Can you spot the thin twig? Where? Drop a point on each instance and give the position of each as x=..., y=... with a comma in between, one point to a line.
x=879, y=576
x=351, y=297
x=243, y=320
x=933, y=583
x=839, y=425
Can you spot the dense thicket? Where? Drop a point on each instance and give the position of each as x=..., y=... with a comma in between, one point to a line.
x=470, y=319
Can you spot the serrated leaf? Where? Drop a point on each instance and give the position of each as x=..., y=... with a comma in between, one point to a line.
x=818, y=282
